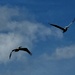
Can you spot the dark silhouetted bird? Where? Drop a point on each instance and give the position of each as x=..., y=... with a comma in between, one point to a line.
x=18, y=49
x=65, y=28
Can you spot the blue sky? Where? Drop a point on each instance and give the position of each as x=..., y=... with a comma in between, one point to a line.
x=25, y=23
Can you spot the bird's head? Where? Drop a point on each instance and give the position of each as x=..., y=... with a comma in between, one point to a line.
x=20, y=47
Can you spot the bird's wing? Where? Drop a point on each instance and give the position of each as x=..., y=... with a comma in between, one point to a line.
x=71, y=22
x=25, y=49
x=10, y=54
x=57, y=26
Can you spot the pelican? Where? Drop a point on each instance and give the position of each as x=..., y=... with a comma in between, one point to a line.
x=18, y=49
x=65, y=28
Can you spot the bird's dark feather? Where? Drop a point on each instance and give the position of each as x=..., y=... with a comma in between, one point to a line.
x=25, y=49
x=22, y=49
x=10, y=54
x=57, y=26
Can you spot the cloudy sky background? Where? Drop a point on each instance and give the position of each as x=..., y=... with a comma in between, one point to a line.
x=25, y=23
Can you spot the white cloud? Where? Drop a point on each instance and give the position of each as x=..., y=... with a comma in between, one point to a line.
x=15, y=31
x=60, y=53
x=66, y=52
x=7, y=43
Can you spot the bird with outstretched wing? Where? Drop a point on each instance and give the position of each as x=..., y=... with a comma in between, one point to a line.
x=20, y=49
x=65, y=28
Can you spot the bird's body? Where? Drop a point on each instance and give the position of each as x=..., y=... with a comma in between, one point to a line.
x=18, y=49
x=65, y=28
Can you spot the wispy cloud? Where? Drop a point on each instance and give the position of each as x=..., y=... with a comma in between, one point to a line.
x=15, y=31
x=7, y=42
x=66, y=52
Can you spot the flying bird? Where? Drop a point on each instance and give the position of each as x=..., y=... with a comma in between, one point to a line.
x=65, y=28
x=18, y=49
